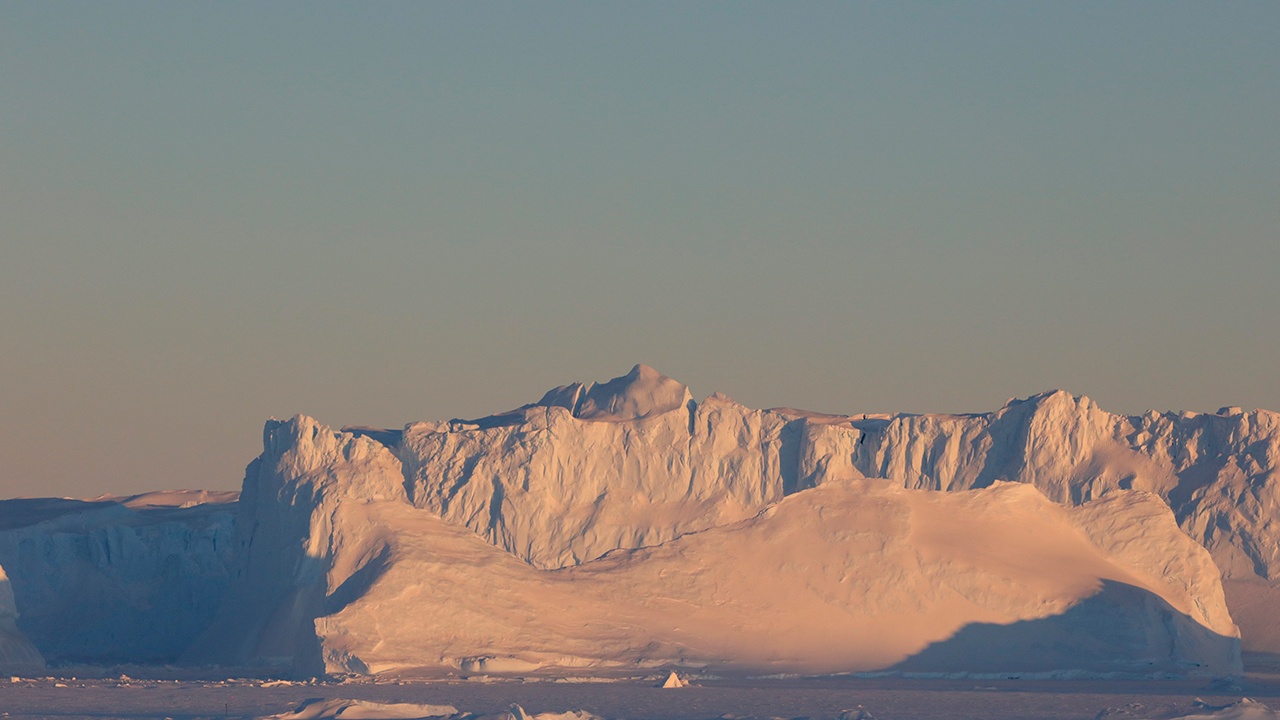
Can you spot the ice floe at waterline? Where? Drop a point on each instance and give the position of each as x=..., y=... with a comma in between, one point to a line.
x=342, y=709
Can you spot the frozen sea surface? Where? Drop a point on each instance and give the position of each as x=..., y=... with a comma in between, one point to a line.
x=642, y=699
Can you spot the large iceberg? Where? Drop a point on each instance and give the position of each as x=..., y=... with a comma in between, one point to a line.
x=625, y=524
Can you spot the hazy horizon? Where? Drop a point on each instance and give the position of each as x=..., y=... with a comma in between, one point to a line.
x=377, y=214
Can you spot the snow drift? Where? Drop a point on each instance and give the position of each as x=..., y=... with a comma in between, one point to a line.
x=667, y=465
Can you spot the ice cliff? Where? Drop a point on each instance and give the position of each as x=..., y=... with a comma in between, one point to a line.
x=16, y=651
x=557, y=486
x=294, y=560
x=556, y=489
x=1220, y=473
x=111, y=580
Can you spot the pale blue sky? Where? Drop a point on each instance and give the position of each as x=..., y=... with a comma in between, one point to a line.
x=211, y=213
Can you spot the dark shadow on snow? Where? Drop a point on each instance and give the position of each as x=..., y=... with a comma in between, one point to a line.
x=1122, y=629
x=390, y=438
x=25, y=512
x=354, y=587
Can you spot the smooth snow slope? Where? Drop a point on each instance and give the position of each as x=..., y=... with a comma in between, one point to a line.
x=847, y=577
x=342, y=572
x=641, y=393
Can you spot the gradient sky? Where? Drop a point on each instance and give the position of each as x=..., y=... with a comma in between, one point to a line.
x=213, y=213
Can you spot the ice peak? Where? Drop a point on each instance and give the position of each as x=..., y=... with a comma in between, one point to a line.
x=643, y=392
x=1051, y=401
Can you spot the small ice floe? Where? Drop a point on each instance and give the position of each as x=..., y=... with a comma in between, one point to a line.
x=342, y=709
x=1242, y=709
x=858, y=713
x=515, y=712
x=566, y=715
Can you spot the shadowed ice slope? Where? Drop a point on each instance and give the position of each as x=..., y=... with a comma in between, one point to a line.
x=131, y=579
x=342, y=572
x=291, y=555
x=16, y=651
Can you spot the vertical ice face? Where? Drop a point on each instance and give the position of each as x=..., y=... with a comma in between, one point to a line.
x=287, y=538
x=848, y=576
x=557, y=490
x=1220, y=473
x=116, y=579
x=16, y=651
x=562, y=481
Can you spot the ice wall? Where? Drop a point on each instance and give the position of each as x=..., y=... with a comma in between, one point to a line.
x=17, y=654
x=557, y=489
x=116, y=580
x=287, y=570
x=850, y=575
x=1220, y=473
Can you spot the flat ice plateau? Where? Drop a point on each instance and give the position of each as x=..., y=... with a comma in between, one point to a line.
x=624, y=527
